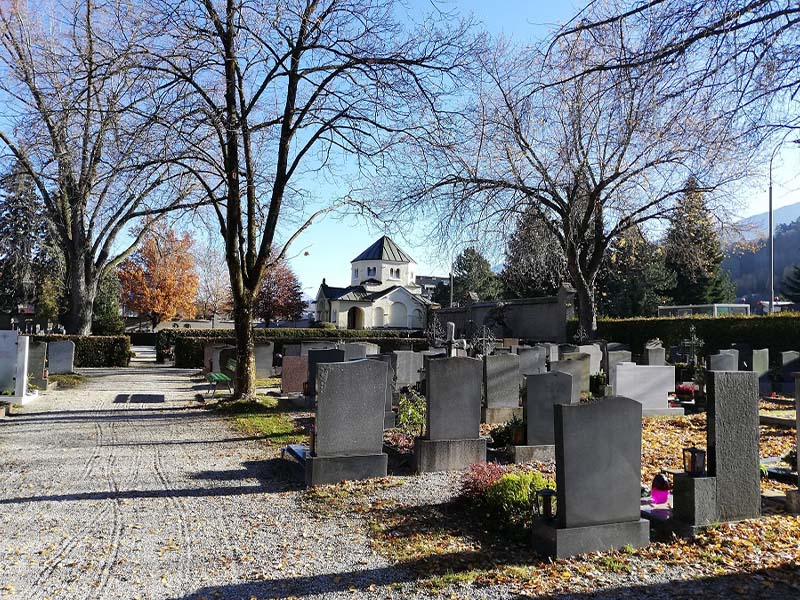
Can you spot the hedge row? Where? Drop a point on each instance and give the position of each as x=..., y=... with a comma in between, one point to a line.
x=779, y=332
x=96, y=350
x=167, y=338
x=189, y=350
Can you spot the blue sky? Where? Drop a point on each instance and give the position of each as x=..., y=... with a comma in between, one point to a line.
x=327, y=247
x=331, y=244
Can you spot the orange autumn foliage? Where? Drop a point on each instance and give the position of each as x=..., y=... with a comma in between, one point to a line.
x=159, y=279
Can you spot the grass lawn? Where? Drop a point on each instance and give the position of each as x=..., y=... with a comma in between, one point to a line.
x=67, y=380
x=275, y=423
x=269, y=382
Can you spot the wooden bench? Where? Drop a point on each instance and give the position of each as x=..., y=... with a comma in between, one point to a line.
x=216, y=377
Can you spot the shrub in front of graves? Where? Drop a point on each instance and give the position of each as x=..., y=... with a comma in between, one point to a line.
x=411, y=412
x=508, y=433
x=96, y=350
x=477, y=480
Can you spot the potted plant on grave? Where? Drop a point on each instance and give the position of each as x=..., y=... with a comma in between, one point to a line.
x=685, y=391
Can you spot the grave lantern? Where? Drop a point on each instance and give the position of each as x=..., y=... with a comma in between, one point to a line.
x=544, y=503
x=694, y=461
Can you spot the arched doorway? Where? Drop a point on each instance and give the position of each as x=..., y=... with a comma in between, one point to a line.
x=378, y=316
x=355, y=318
x=398, y=315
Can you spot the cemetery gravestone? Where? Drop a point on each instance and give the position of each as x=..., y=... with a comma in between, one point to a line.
x=542, y=393
x=655, y=356
x=724, y=361
x=263, y=354
x=61, y=356
x=616, y=357
x=291, y=350
x=595, y=357
x=598, y=480
x=733, y=434
x=790, y=362
x=551, y=354
x=501, y=388
x=305, y=347
x=389, y=418
x=648, y=385
x=793, y=496
x=532, y=360
x=21, y=393
x=576, y=365
x=37, y=364
x=734, y=353
x=317, y=357
x=407, y=367
x=294, y=374
x=759, y=360
x=348, y=440
x=8, y=360
x=452, y=440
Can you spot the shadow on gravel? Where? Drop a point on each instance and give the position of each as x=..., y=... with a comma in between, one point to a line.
x=139, y=399
x=268, y=477
x=123, y=414
x=763, y=584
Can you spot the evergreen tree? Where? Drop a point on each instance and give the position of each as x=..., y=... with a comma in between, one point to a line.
x=107, y=317
x=534, y=264
x=634, y=279
x=441, y=294
x=791, y=285
x=693, y=251
x=473, y=273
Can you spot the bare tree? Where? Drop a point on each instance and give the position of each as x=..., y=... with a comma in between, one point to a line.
x=591, y=152
x=76, y=103
x=282, y=98
x=214, y=290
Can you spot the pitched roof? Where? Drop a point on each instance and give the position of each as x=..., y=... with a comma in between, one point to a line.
x=357, y=293
x=384, y=249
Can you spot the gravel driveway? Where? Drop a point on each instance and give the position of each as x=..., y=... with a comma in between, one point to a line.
x=120, y=490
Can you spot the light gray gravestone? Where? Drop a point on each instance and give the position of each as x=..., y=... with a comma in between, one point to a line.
x=733, y=433
x=532, y=361
x=501, y=388
x=597, y=443
x=263, y=353
x=317, y=357
x=648, y=385
x=8, y=360
x=348, y=440
x=595, y=357
x=453, y=416
x=616, y=357
x=576, y=365
x=37, y=364
x=759, y=359
x=389, y=419
x=61, y=356
x=407, y=366
x=21, y=393
x=724, y=361
x=655, y=356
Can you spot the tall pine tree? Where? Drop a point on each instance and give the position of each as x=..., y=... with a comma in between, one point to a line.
x=693, y=251
x=473, y=273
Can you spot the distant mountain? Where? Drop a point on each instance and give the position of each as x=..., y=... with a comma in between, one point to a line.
x=758, y=225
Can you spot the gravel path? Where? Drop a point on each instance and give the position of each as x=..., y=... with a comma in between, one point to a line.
x=120, y=490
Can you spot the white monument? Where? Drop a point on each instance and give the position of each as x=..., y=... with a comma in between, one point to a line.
x=649, y=385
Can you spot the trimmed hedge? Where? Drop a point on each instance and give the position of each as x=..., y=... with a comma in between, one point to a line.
x=779, y=333
x=167, y=338
x=189, y=350
x=96, y=350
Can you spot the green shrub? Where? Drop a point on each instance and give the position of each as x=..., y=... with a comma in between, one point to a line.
x=503, y=434
x=411, y=412
x=188, y=349
x=96, y=350
x=510, y=499
x=777, y=332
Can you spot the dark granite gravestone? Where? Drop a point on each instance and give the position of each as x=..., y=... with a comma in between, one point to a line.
x=294, y=374
x=543, y=391
x=655, y=356
x=348, y=429
x=37, y=363
x=733, y=433
x=724, y=361
x=389, y=418
x=759, y=361
x=305, y=347
x=452, y=440
x=501, y=388
x=263, y=355
x=793, y=496
x=291, y=349
x=61, y=357
x=790, y=363
x=576, y=365
x=317, y=357
x=598, y=480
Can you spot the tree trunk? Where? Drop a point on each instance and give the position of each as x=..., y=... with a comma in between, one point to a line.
x=587, y=309
x=245, y=384
x=80, y=299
